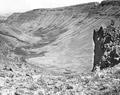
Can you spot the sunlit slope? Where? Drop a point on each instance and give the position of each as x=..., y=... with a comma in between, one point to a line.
x=73, y=49
x=56, y=39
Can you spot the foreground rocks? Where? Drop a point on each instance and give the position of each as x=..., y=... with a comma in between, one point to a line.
x=27, y=81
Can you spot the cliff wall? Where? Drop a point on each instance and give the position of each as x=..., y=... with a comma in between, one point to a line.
x=106, y=46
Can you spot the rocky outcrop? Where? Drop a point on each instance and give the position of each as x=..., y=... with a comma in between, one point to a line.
x=110, y=2
x=107, y=46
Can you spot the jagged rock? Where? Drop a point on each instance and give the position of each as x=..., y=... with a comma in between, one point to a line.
x=107, y=44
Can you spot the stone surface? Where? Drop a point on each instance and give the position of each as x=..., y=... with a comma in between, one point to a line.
x=107, y=44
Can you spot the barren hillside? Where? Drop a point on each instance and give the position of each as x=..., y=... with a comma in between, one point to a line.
x=58, y=38
x=55, y=41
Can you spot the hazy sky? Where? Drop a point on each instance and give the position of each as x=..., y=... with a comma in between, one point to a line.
x=8, y=6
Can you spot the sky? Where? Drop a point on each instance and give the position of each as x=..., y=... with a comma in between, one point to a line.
x=10, y=6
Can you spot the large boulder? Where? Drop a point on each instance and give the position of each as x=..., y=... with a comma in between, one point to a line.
x=106, y=47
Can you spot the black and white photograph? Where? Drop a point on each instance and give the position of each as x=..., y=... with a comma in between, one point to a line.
x=59, y=47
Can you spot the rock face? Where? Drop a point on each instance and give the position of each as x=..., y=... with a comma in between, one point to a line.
x=107, y=46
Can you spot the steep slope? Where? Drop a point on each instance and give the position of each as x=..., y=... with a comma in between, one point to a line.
x=52, y=51
x=58, y=39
